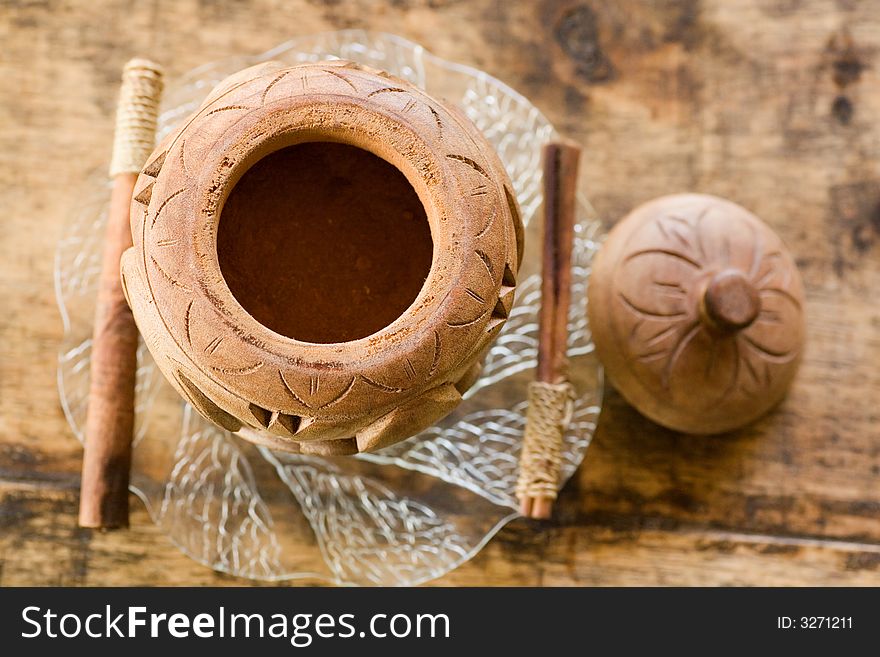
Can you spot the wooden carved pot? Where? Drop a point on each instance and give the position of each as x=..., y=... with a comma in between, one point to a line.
x=696, y=310
x=322, y=255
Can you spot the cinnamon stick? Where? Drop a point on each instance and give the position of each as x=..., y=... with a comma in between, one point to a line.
x=560, y=183
x=110, y=415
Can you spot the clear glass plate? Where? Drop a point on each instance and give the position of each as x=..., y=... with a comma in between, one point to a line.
x=402, y=516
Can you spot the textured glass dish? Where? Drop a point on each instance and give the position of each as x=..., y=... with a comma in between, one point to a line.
x=402, y=516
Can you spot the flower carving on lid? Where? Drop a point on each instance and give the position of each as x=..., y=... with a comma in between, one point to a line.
x=710, y=304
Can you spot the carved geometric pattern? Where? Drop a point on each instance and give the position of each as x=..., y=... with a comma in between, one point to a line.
x=193, y=322
x=661, y=319
x=210, y=493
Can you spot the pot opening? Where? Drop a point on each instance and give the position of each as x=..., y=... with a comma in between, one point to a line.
x=324, y=242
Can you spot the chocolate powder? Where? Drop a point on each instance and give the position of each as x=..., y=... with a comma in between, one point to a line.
x=324, y=242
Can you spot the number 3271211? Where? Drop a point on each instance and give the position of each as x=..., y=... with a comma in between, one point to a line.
x=814, y=622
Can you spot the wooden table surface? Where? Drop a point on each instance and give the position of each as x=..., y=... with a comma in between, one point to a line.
x=771, y=103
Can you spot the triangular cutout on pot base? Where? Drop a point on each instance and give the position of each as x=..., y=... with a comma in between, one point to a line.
x=508, y=279
x=278, y=422
x=143, y=197
x=206, y=406
x=505, y=302
x=264, y=417
x=155, y=166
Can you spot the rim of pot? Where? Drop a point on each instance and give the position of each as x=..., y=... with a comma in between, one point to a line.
x=348, y=121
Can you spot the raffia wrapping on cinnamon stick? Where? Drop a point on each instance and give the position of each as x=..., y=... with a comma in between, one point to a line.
x=548, y=416
x=135, y=134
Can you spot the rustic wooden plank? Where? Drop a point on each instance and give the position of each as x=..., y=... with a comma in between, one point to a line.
x=40, y=544
x=771, y=103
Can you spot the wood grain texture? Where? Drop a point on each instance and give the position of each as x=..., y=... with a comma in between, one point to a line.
x=771, y=103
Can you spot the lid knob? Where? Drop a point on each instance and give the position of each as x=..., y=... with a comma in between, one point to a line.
x=731, y=302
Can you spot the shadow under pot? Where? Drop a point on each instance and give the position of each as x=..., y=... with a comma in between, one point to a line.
x=322, y=256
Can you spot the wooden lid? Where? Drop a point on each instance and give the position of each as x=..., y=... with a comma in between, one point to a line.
x=696, y=310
